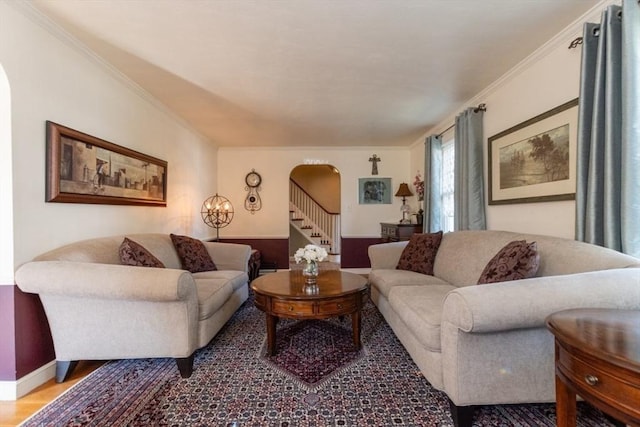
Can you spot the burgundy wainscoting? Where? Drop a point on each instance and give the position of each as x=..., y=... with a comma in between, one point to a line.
x=355, y=251
x=271, y=250
x=34, y=345
x=7, y=334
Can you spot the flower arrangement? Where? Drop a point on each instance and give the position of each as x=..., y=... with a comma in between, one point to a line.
x=419, y=184
x=310, y=253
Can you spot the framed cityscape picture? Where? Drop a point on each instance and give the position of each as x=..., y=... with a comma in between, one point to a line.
x=535, y=161
x=84, y=169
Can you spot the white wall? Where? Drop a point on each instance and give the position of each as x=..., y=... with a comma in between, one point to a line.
x=275, y=165
x=550, y=81
x=51, y=79
x=546, y=79
x=6, y=188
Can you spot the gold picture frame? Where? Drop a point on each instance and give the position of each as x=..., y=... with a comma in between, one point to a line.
x=84, y=169
x=535, y=161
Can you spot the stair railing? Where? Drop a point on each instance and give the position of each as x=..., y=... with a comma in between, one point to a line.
x=327, y=222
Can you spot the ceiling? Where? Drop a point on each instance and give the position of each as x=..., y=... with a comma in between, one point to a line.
x=313, y=72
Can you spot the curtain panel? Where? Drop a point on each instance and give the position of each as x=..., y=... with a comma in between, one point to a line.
x=608, y=152
x=433, y=184
x=469, y=206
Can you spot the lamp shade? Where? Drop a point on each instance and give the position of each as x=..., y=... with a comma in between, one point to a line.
x=404, y=191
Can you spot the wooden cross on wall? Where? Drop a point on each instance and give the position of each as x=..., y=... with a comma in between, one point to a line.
x=374, y=167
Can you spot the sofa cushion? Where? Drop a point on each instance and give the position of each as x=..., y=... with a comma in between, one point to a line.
x=420, y=308
x=133, y=253
x=237, y=279
x=420, y=253
x=212, y=294
x=193, y=255
x=385, y=280
x=516, y=260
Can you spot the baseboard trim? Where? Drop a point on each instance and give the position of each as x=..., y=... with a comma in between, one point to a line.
x=13, y=390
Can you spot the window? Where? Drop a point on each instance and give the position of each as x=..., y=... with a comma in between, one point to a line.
x=448, y=166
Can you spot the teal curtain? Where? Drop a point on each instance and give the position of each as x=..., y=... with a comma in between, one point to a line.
x=433, y=184
x=608, y=148
x=469, y=206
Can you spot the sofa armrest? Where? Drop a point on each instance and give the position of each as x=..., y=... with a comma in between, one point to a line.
x=108, y=281
x=229, y=256
x=526, y=303
x=386, y=255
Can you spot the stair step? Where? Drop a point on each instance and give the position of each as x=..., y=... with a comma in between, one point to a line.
x=297, y=219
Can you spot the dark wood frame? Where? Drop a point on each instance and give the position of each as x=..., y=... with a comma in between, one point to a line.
x=54, y=193
x=495, y=139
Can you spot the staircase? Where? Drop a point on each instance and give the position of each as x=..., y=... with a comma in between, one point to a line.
x=320, y=227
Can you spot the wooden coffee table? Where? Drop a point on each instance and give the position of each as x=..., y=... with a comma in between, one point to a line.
x=284, y=294
x=598, y=358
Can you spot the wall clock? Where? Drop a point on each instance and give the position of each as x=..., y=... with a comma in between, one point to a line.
x=253, y=180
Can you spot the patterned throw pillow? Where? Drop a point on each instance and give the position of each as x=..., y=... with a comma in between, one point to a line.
x=193, y=254
x=420, y=253
x=516, y=260
x=133, y=253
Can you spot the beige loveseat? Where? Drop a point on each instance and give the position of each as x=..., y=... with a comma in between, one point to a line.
x=487, y=344
x=99, y=309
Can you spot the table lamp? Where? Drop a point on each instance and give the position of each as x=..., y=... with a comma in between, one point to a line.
x=404, y=192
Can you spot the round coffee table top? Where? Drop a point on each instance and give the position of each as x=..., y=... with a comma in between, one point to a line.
x=608, y=334
x=291, y=284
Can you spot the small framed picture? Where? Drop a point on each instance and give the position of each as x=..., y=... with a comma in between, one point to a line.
x=374, y=191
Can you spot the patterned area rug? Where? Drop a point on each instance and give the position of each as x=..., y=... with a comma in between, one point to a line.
x=312, y=351
x=234, y=385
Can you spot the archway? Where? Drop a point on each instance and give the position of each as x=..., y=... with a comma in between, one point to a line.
x=8, y=388
x=315, y=208
x=6, y=183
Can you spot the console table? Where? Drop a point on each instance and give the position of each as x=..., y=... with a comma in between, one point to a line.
x=397, y=232
x=597, y=354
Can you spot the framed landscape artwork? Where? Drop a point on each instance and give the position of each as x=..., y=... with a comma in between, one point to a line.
x=374, y=191
x=535, y=161
x=84, y=169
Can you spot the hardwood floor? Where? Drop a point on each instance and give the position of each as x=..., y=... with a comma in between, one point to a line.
x=13, y=413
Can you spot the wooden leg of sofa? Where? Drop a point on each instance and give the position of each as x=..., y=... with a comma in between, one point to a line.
x=462, y=415
x=64, y=368
x=185, y=366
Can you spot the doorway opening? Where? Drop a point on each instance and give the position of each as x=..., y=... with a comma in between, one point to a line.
x=315, y=210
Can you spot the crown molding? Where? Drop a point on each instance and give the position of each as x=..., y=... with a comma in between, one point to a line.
x=28, y=9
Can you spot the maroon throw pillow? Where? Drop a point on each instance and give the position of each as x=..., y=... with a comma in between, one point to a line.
x=193, y=254
x=420, y=253
x=516, y=260
x=133, y=253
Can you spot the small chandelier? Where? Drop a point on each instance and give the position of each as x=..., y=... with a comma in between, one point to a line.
x=217, y=212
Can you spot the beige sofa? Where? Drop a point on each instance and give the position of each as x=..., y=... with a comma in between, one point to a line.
x=487, y=344
x=99, y=310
